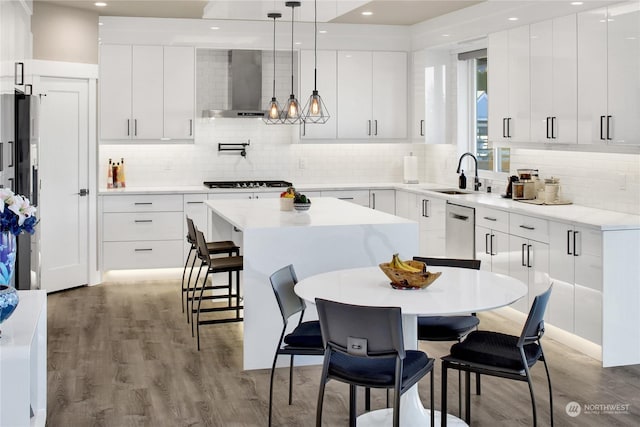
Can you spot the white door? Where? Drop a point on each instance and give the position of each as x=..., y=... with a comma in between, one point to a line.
x=64, y=213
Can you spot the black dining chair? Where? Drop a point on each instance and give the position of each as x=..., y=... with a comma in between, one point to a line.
x=305, y=339
x=229, y=264
x=225, y=247
x=364, y=347
x=501, y=355
x=449, y=328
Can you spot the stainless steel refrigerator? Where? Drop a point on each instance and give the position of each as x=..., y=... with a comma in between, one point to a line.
x=19, y=171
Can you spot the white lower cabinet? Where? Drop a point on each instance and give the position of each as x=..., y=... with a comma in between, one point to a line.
x=142, y=231
x=195, y=209
x=432, y=220
x=383, y=200
x=575, y=268
x=492, y=240
x=359, y=197
x=407, y=205
x=529, y=256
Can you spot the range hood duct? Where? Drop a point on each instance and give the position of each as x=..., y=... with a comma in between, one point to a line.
x=244, y=86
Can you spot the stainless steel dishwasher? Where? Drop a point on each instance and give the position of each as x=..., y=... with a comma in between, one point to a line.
x=460, y=228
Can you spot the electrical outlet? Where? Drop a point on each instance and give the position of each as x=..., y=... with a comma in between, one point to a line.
x=302, y=163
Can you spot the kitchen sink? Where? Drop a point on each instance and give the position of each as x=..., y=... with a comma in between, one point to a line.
x=448, y=191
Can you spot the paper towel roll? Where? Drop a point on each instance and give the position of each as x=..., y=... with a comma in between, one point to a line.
x=410, y=170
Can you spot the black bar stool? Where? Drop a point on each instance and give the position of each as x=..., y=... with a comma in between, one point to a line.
x=215, y=248
x=229, y=265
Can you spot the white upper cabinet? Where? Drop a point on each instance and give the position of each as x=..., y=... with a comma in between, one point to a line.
x=146, y=88
x=146, y=92
x=179, y=91
x=326, y=85
x=435, y=97
x=609, y=75
x=553, y=80
x=372, y=95
x=417, y=124
x=115, y=91
x=509, y=86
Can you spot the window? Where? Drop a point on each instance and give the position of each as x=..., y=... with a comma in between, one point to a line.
x=490, y=159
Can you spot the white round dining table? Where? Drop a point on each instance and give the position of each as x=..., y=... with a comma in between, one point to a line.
x=456, y=291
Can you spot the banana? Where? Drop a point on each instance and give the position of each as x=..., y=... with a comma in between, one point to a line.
x=397, y=263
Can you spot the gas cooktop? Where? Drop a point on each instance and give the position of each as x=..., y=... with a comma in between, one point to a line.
x=247, y=184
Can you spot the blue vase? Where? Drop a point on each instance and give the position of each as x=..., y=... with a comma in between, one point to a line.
x=7, y=256
x=8, y=302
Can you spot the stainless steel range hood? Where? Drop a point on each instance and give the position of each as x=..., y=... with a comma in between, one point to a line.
x=243, y=88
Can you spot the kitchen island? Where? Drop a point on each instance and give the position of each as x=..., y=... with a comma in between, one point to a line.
x=332, y=235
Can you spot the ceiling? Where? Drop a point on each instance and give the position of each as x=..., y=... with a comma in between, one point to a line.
x=387, y=12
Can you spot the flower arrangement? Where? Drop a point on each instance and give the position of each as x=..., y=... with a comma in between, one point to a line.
x=16, y=213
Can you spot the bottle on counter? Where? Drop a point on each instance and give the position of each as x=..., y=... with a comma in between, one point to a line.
x=121, y=175
x=110, y=175
x=462, y=181
x=116, y=166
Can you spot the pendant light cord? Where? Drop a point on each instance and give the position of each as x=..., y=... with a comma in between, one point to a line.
x=292, y=10
x=315, y=45
x=274, y=56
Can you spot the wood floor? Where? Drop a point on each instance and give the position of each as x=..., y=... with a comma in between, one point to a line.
x=121, y=354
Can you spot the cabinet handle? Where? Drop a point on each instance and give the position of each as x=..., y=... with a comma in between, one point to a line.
x=527, y=227
x=1, y=156
x=504, y=132
x=304, y=128
x=548, y=120
x=375, y=127
x=190, y=127
x=602, y=127
x=425, y=208
x=369, y=127
x=575, y=248
x=19, y=71
x=524, y=245
x=493, y=253
x=529, y=256
x=143, y=220
x=135, y=127
x=11, y=186
x=143, y=250
x=609, y=128
x=553, y=127
x=488, y=218
x=509, y=127
x=345, y=198
x=142, y=203
x=421, y=127
x=128, y=127
x=195, y=203
x=486, y=244
x=569, y=232
x=373, y=200
x=10, y=165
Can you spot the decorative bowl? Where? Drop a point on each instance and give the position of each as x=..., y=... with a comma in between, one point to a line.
x=301, y=206
x=402, y=279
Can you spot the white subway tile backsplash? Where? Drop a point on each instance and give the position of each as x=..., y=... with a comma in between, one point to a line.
x=599, y=180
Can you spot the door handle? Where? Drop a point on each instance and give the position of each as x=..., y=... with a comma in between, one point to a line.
x=553, y=127
x=375, y=127
x=609, y=128
x=10, y=165
x=524, y=245
x=1, y=156
x=575, y=249
x=548, y=120
x=492, y=253
x=373, y=200
x=135, y=127
x=602, y=127
x=486, y=244
x=11, y=186
x=421, y=127
x=529, y=256
x=508, y=127
x=369, y=127
x=83, y=192
x=128, y=127
x=569, y=234
x=190, y=127
x=504, y=132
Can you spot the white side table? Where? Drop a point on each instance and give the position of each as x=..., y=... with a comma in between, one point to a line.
x=23, y=363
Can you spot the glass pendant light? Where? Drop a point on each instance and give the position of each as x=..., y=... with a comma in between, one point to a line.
x=315, y=111
x=273, y=113
x=291, y=112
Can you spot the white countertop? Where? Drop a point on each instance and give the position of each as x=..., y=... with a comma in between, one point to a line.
x=579, y=215
x=324, y=211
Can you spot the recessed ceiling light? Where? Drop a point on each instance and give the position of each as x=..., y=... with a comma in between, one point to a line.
x=445, y=35
x=101, y=23
x=367, y=13
x=215, y=28
x=322, y=31
x=100, y=4
x=513, y=18
x=298, y=43
x=577, y=3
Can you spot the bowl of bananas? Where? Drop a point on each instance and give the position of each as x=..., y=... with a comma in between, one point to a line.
x=408, y=274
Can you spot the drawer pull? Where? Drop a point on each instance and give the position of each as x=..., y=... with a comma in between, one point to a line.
x=488, y=218
x=143, y=250
x=195, y=203
x=143, y=203
x=527, y=227
x=143, y=220
x=345, y=198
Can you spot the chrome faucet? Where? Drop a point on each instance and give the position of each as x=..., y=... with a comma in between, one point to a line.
x=476, y=181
